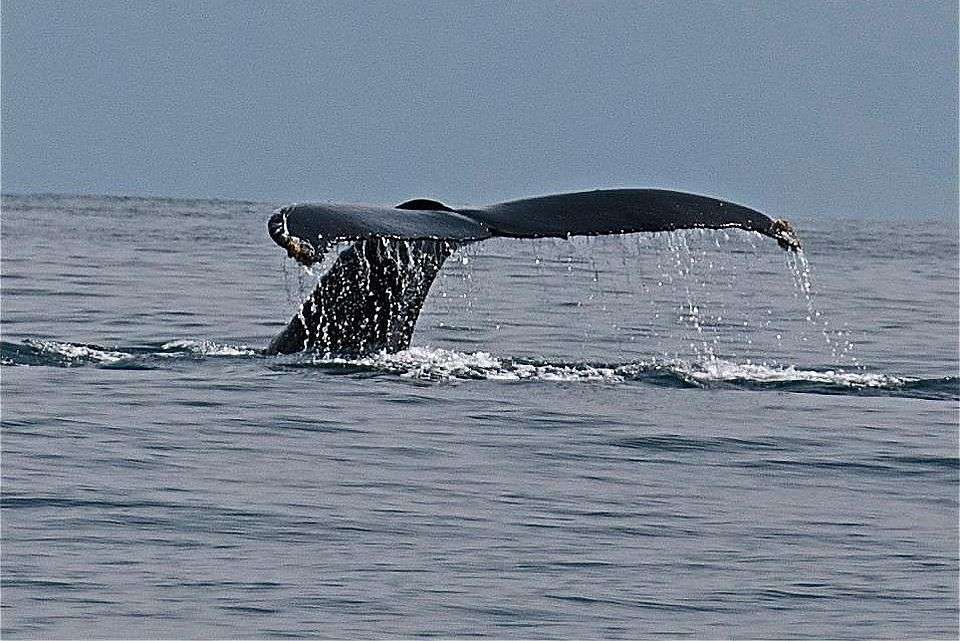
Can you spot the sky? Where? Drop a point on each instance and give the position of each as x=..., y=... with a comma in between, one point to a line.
x=814, y=109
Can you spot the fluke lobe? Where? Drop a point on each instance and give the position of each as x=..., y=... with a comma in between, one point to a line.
x=371, y=297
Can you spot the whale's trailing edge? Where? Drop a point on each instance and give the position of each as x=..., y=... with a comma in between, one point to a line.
x=623, y=211
x=371, y=297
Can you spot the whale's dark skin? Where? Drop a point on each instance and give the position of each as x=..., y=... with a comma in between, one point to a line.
x=370, y=299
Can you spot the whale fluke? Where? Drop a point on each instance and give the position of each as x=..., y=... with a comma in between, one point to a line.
x=306, y=230
x=371, y=297
x=624, y=211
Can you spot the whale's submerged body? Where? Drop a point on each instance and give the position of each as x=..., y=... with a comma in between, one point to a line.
x=369, y=300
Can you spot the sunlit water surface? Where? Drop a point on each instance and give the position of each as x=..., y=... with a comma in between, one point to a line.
x=684, y=435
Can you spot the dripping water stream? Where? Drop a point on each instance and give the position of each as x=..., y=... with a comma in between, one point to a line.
x=684, y=311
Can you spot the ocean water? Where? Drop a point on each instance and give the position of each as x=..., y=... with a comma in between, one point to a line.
x=686, y=435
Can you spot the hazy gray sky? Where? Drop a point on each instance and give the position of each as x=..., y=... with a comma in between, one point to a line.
x=796, y=108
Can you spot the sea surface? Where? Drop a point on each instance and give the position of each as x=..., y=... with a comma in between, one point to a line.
x=684, y=435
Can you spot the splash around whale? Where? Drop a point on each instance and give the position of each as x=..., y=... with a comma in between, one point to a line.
x=370, y=298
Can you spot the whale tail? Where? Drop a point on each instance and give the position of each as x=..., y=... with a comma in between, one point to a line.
x=368, y=301
x=371, y=297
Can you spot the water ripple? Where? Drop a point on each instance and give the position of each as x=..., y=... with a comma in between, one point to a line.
x=428, y=364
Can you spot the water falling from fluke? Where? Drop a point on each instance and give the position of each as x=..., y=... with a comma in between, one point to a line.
x=840, y=347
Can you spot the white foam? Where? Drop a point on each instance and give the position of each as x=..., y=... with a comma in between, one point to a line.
x=209, y=348
x=719, y=370
x=78, y=353
x=441, y=364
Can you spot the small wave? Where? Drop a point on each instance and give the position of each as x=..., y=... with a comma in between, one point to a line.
x=49, y=353
x=723, y=371
x=719, y=373
x=429, y=364
x=208, y=348
x=46, y=352
x=441, y=364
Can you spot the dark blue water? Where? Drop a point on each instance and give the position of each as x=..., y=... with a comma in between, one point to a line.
x=680, y=435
